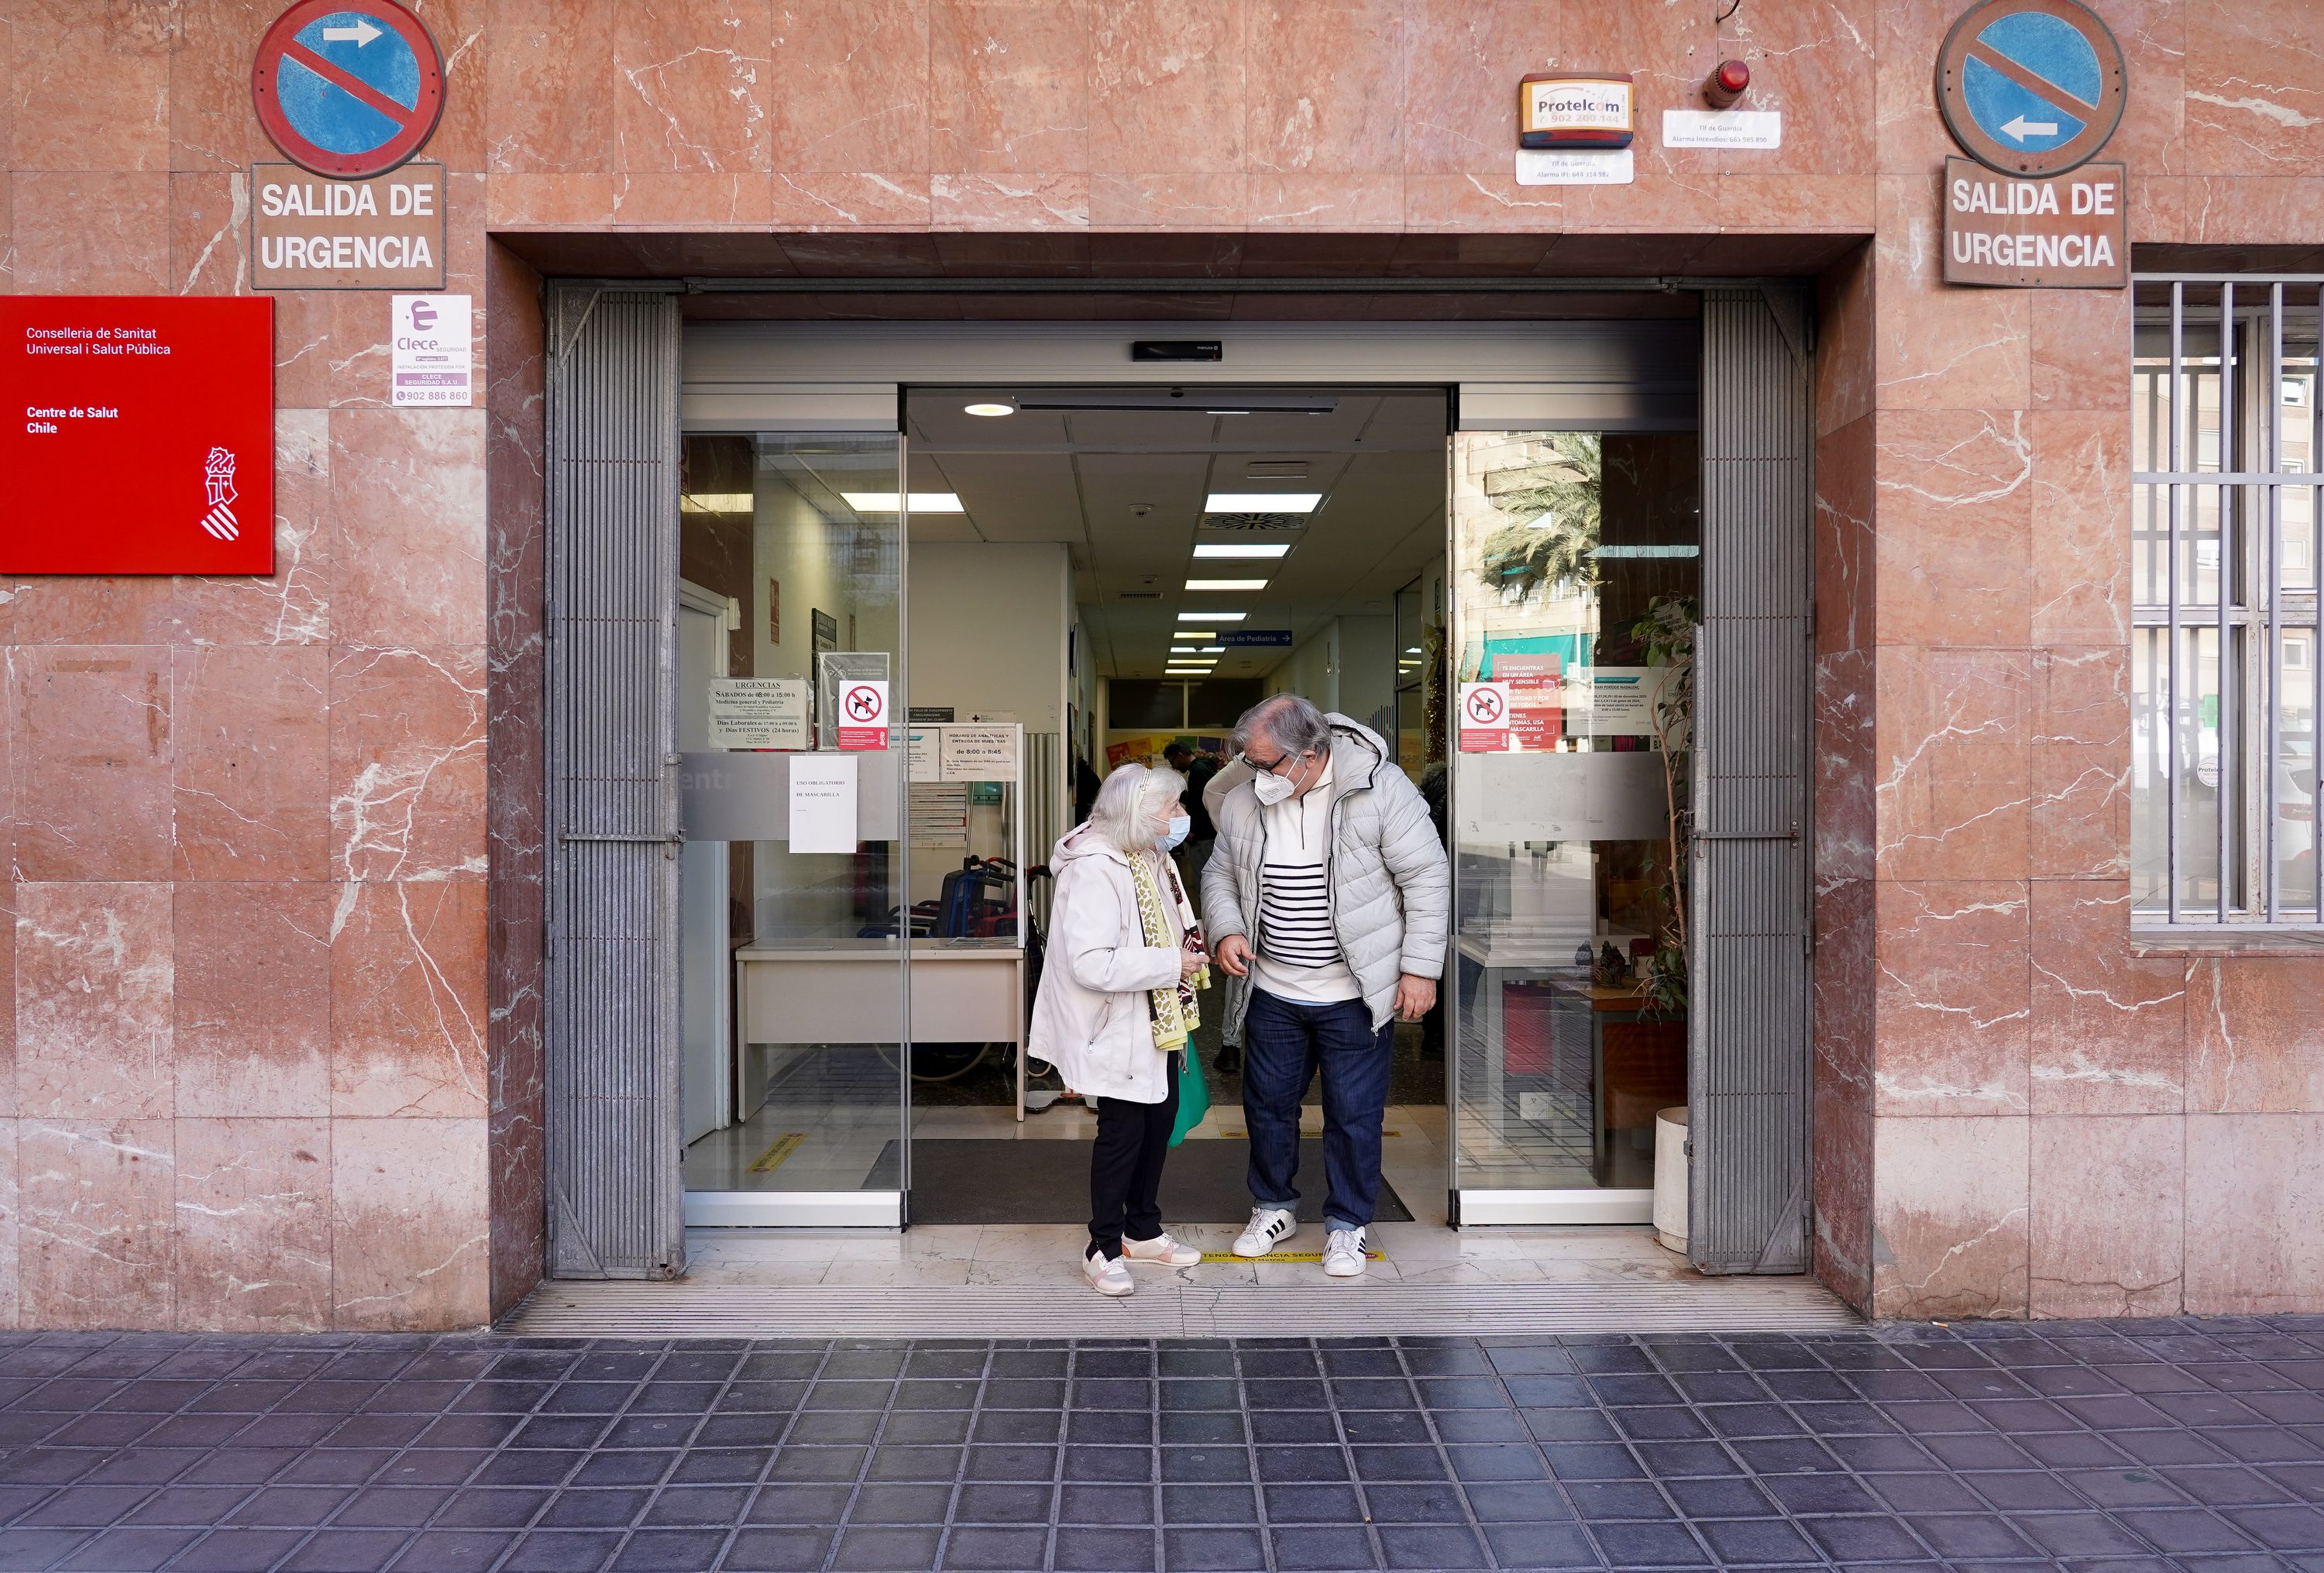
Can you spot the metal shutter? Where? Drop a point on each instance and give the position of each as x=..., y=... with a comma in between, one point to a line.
x=1748, y=1026
x=612, y=1006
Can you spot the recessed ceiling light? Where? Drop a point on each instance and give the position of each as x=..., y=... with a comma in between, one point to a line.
x=1239, y=548
x=1226, y=584
x=1261, y=502
x=1194, y=633
x=922, y=501
x=989, y=407
x=1212, y=617
x=1188, y=649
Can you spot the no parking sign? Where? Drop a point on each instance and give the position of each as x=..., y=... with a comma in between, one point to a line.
x=347, y=89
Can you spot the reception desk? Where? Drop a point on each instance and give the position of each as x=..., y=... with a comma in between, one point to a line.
x=843, y=991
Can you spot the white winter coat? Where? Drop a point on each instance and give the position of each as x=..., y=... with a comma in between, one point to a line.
x=1091, y=1018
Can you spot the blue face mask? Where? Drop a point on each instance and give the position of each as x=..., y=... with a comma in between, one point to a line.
x=1179, y=825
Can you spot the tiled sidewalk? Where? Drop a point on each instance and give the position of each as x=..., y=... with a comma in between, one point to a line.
x=2117, y=1447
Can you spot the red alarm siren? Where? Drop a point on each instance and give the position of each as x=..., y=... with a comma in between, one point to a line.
x=1724, y=86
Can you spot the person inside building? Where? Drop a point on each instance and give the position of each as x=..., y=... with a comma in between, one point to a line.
x=1198, y=769
x=1117, y=1006
x=1330, y=889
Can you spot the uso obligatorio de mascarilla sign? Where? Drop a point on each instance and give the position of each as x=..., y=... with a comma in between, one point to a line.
x=141, y=434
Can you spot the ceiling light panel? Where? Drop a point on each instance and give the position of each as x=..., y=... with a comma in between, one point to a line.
x=922, y=501
x=1255, y=548
x=1226, y=584
x=1261, y=502
x=1212, y=617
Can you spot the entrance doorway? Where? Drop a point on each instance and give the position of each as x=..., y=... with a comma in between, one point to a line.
x=1046, y=581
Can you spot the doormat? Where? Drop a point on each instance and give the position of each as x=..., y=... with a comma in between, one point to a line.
x=1044, y=1180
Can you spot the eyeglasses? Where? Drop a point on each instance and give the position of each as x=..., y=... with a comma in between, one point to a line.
x=1275, y=766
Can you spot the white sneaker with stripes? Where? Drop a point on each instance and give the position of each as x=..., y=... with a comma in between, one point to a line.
x=1268, y=1227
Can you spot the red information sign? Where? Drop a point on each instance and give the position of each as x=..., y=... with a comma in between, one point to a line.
x=139, y=434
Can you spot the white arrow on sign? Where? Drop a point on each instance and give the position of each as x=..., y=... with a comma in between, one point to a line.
x=2019, y=127
x=360, y=34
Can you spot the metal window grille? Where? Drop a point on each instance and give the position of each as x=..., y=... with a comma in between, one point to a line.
x=2226, y=627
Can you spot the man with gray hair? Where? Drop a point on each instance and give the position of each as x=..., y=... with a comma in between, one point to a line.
x=1329, y=890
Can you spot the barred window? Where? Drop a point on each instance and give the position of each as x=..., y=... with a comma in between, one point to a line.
x=2225, y=620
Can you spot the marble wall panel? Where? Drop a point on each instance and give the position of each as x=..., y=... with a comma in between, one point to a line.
x=407, y=763
x=1166, y=86
x=2250, y=100
x=409, y=1002
x=1327, y=85
x=96, y=1200
x=407, y=521
x=1955, y=500
x=11, y=1213
x=2252, y=1183
x=1941, y=347
x=1847, y=957
x=2079, y=355
x=68, y=114
x=1951, y=1217
x=252, y=1004
x=1953, y=782
x=691, y=87
x=2254, y=1038
x=252, y=783
x=408, y=1224
x=1817, y=63
x=252, y=1225
x=1955, y=998
x=2108, y=1030
x=2107, y=1193
x=210, y=233
x=90, y=233
x=95, y=969
x=211, y=129
x=2152, y=34
x=1009, y=86
x=550, y=87
x=2081, y=519
x=855, y=87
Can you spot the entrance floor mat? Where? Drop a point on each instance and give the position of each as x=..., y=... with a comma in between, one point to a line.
x=1042, y=1181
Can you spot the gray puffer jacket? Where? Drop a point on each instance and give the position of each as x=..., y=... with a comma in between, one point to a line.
x=1391, y=885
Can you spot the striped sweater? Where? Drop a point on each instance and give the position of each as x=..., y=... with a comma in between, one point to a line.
x=1298, y=952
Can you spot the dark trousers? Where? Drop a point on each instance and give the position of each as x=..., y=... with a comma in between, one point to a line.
x=1285, y=1044
x=1126, y=1167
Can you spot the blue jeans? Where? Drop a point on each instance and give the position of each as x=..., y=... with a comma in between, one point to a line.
x=1285, y=1044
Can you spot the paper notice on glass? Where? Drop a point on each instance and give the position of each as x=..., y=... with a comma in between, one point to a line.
x=823, y=803
x=974, y=752
x=921, y=744
x=1622, y=700
x=757, y=712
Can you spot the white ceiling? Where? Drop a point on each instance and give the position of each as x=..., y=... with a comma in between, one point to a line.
x=1124, y=489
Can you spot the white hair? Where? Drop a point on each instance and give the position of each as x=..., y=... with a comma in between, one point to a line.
x=1290, y=721
x=1134, y=805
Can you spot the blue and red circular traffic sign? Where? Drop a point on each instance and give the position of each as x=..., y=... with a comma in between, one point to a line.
x=2031, y=88
x=347, y=89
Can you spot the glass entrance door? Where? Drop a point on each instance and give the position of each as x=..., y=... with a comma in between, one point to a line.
x=1575, y=569
x=790, y=634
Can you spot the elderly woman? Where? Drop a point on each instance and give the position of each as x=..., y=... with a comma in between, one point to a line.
x=1117, y=1006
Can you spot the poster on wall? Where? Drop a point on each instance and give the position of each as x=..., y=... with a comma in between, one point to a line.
x=1484, y=717
x=141, y=434
x=759, y=712
x=1622, y=700
x=973, y=752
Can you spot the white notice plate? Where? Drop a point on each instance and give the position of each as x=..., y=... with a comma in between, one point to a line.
x=1563, y=166
x=1723, y=128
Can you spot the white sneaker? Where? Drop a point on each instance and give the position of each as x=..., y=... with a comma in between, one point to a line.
x=1109, y=1275
x=1268, y=1227
x=1161, y=1248
x=1344, y=1252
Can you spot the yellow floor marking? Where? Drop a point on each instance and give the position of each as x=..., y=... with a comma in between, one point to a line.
x=1284, y=1256
x=772, y=1157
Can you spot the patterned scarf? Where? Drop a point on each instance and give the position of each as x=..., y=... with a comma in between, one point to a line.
x=1172, y=1007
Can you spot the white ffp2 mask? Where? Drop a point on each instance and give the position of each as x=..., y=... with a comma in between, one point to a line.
x=1272, y=788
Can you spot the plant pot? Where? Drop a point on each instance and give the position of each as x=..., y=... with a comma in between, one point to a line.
x=1670, y=1179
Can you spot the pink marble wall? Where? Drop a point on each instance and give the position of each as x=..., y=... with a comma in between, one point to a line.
x=272, y=1039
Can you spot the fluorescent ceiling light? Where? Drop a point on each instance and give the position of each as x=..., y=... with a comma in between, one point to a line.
x=1212, y=617
x=1189, y=650
x=922, y=501
x=1414, y=649
x=1261, y=502
x=1186, y=671
x=989, y=407
x=1226, y=584
x=1239, y=548
x=1194, y=633
x=722, y=503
